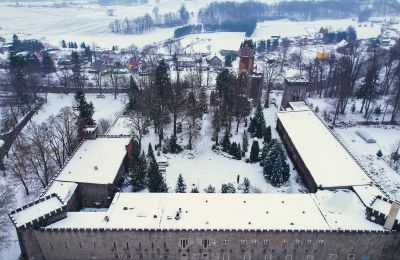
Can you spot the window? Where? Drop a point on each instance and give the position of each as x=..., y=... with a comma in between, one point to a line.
x=128, y=255
x=184, y=255
x=254, y=241
x=309, y=257
x=152, y=255
x=184, y=242
x=226, y=242
x=205, y=255
x=140, y=255
x=297, y=241
x=351, y=256
x=320, y=242
x=225, y=256
x=242, y=242
x=309, y=242
x=116, y=255
x=364, y=257
x=268, y=257
x=205, y=243
x=265, y=242
x=288, y=257
x=247, y=256
x=332, y=256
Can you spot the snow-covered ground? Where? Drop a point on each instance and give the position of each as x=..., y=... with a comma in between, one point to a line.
x=202, y=166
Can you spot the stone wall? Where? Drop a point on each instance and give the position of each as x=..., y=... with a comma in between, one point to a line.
x=149, y=244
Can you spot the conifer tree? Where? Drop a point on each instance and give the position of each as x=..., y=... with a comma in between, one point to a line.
x=209, y=189
x=137, y=169
x=133, y=93
x=180, y=185
x=85, y=111
x=267, y=147
x=233, y=149
x=267, y=134
x=194, y=190
x=63, y=44
x=276, y=169
x=226, y=143
x=47, y=64
x=246, y=184
x=150, y=153
x=245, y=142
x=155, y=180
x=238, y=154
x=254, y=152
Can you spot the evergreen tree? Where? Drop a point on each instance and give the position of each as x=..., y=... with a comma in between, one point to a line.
x=245, y=142
x=379, y=153
x=85, y=111
x=184, y=14
x=63, y=44
x=209, y=189
x=83, y=45
x=226, y=143
x=267, y=147
x=254, y=152
x=246, y=184
x=233, y=149
x=257, y=125
x=133, y=93
x=180, y=185
x=150, y=153
x=47, y=64
x=77, y=77
x=267, y=134
x=155, y=180
x=238, y=154
x=174, y=147
x=228, y=188
x=137, y=169
x=88, y=54
x=276, y=170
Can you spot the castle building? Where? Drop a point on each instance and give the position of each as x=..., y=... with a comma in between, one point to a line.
x=345, y=216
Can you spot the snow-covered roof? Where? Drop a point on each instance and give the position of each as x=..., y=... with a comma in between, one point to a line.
x=342, y=209
x=330, y=165
x=299, y=105
x=203, y=211
x=96, y=161
x=368, y=193
x=26, y=215
x=64, y=190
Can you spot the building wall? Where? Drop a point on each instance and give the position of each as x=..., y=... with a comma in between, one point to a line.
x=91, y=244
x=293, y=93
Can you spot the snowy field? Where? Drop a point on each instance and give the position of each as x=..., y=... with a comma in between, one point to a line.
x=89, y=23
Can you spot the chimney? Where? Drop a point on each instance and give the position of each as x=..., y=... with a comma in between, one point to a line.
x=391, y=218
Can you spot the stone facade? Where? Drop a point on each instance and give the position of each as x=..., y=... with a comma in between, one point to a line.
x=295, y=90
x=223, y=244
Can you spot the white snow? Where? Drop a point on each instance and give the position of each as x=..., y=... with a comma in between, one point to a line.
x=383, y=207
x=96, y=161
x=342, y=209
x=64, y=190
x=368, y=193
x=204, y=211
x=35, y=211
x=328, y=162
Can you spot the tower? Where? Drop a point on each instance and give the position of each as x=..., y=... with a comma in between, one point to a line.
x=295, y=90
x=247, y=52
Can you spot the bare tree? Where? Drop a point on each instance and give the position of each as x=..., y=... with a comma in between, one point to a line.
x=6, y=202
x=271, y=72
x=138, y=125
x=18, y=165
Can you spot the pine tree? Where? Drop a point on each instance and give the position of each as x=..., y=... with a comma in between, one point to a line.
x=209, y=189
x=83, y=45
x=276, y=170
x=254, y=152
x=246, y=184
x=155, y=180
x=245, y=142
x=47, y=64
x=180, y=185
x=137, y=170
x=150, y=153
x=174, y=147
x=238, y=154
x=133, y=93
x=259, y=124
x=233, y=149
x=267, y=134
x=85, y=111
x=379, y=153
x=267, y=147
x=226, y=143
x=88, y=54
x=63, y=44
